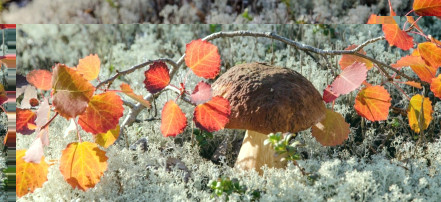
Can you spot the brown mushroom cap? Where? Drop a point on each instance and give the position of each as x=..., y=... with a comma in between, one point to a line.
x=269, y=99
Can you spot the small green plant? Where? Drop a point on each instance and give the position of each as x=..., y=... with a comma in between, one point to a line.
x=202, y=137
x=281, y=145
x=228, y=186
x=246, y=15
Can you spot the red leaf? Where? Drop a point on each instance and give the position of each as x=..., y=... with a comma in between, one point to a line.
x=125, y=88
x=202, y=93
x=41, y=79
x=373, y=103
x=349, y=79
x=213, y=115
x=332, y=130
x=427, y=7
x=347, y=60
x=157, y=77
x=102, y=114
x=72, y=92
x=424, y=72
x=328, y=95
x=24, y=118
x=430, y=53
x=397, y=37
x=435, y=86
x=203, y=58
x=89, y=67
x=173, y=120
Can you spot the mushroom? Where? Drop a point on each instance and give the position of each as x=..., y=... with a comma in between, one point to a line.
x=266, y=99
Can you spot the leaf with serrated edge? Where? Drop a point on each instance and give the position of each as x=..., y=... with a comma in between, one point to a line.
x=125, y=88
x=212, y=115
x=347, y=59
x=89, y=67
x=72, y=92
x=42, y=79
x=331, y=131
x=202, y=93
x=24, y=117
x=173, y=120
x=108, y=138
x=430, y=53
x=203, y=58
x=83, y=164
x=397, y=37
x=435, y=86
x=414, y=113
x=157, y=77
x=30, y=176
x=373, y=103
x=102, y=114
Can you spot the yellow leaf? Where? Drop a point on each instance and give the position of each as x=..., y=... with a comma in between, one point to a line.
x=29, y=175
x=417, y=119
x=108, y=138
x=83, y=164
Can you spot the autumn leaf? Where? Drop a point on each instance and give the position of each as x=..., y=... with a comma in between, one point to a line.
x=413, y=84
x=108, y=138
x=435, y=86
x=328, y=95
x=419, y=114
x=430, y=53
x=374, y=19
x=347, y=59
x=373, y=103
x=427, y=7
x=331, y=131
x=203, y=58
x=83, y=164
x=212, y=115
x=397, y=37
x=72, y=92
x=30, y=176
x=349, y=79
x=424, y=72
x=173, y=120
x=89, y=67
x=3, y=96
x=202, y=93
x=125, y=88
x=41, y=79
x=24, y=118
x=102, y=114
x=157, y=77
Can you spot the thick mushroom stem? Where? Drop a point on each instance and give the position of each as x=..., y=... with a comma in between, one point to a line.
x=254, y=154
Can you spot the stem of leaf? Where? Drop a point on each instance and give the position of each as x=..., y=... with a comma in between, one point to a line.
x=78, y=132
x=47, y=124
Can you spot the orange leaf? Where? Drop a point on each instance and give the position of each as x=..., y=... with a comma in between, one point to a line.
x=157, y=77
x=72, y=92
x=212, y=115
x=374, y=19
x=397, y=37
x=373, y=103
x=41, y=79
x=203, y=58
x=102, y=114
x=173, y=120
x=427, y=7
x=30, y=176
x=347, y=60
x=331, y=131
x=417, y=119
x=83, y=164
x=414, y=84
x=125, y=88
x=24, y=118
x=430, y=53
x=3, y=96
x=108, y=138
x=424, y=72
x=89, y=67
x=435, y=86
